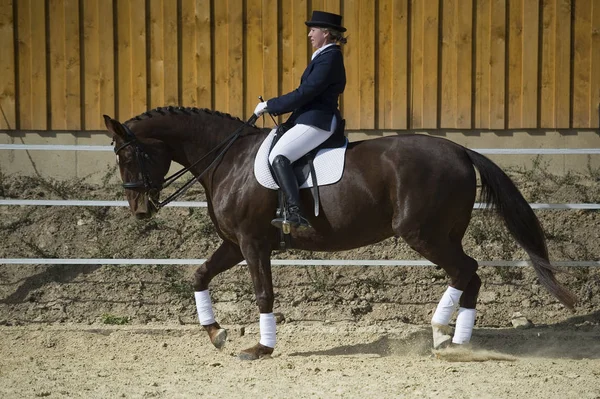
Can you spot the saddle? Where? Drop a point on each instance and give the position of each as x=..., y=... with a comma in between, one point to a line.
x=304, y=166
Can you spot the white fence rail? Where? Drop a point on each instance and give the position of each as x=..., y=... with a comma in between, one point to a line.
x=275, y=262
x=202, y=204
x=516, y=151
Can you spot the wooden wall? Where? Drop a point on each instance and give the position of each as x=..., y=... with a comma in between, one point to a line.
x=411, y=64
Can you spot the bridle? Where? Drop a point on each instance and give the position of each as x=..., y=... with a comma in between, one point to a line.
x=153, y=188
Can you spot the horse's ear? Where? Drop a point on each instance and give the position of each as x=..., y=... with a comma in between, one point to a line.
x=115, y=127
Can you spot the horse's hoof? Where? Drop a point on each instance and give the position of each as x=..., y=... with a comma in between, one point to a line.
x=219, y=339
x=256, y=352
x=217, y=335
x=441, y=336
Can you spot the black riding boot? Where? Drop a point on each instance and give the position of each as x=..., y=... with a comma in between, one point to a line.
x=288, y=183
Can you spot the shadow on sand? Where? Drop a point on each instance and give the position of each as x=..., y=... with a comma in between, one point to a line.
x=572, y=339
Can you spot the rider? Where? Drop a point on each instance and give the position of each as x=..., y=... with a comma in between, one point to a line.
x=314, y=106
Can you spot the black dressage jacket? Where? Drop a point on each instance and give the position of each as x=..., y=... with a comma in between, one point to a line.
x=315, y=101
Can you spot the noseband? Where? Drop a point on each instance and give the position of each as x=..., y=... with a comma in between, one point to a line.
x=150, y=187
x=142, y=159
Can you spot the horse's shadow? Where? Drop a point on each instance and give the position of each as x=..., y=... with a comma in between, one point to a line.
x=55, y=273
x=566, y=340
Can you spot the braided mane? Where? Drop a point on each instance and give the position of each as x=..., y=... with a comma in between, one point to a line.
x=170, y=110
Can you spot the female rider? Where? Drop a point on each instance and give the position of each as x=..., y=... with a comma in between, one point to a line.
x=314, y=106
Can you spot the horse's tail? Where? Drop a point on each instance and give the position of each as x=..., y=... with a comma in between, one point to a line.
x=499, y=192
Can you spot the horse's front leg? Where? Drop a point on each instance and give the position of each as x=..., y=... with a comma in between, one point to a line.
x=224, y=258
x=258, y=257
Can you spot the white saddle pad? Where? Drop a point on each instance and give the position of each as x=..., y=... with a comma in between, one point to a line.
x=329, y=165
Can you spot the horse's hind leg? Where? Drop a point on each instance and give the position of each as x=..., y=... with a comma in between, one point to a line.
x=462, y=293
x=224, y=258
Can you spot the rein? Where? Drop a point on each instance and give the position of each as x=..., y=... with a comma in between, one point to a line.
x=147, y=181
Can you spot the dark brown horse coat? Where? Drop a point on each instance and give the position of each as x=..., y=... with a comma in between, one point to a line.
x=417, y=187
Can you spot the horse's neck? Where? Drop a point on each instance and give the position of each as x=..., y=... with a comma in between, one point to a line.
x=208, y=139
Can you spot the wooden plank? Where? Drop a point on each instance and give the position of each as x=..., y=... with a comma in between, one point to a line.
x=332, y=6
x=400, y=58
x=205, y=55
x=482, y=85
x=189, y=54
x=32, y=66
x=464, y=50
x=497, y=64
x=8, y=117
x=430, y=63
x=157, y=53
x=196, y=70
x=106, y=73
x=132, y=96
x=163, y=53
x=351, y=96
x=236, y=58
x=124, y=43
x=563, y=64
x=531, y=64
x=417, y=65
x=595, y=69
x=449, y=73
x=384, y=60
x=367, y=64
x=138, y=62
x=319, y=5
x=99, y=72
x=58, y=103
x=171, y=63
x=302, y=47
x=254, y=57
x=64, y=67
x=582, y=52
x=221, y=56
x=515, y=64
x=548, y=61
x=287, y=82
x=270, y=51
x=523, y=64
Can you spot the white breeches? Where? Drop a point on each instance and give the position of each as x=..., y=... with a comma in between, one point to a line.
x=299, y=140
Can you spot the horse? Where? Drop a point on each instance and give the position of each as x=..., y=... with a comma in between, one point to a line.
x=417, y=187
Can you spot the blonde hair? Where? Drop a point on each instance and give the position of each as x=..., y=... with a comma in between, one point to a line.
x=336, y=35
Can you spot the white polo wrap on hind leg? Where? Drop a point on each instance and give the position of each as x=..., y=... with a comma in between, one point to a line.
x=445, y=309
x=204, y=307
x=267, y=330
x=465, y=321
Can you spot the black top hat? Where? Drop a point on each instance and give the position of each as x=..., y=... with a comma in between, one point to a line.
x=324, y=19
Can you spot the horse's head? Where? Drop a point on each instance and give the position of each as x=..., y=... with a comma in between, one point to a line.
x=143, y=163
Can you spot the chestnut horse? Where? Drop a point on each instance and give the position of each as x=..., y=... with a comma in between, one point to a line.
x=417, y=187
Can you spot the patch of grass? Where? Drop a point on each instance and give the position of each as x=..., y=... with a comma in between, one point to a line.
x=594, y=172
x=321, y=280
x=39, y=251
x=24, y=220
x=509, y=274
x=181, y=288
x=115, y=320
x=377, y=281
x=3, y=190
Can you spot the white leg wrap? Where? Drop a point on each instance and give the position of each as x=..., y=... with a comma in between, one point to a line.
x=267, y=330
x=204, y=307
x=448, y=304
x=464, y=326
